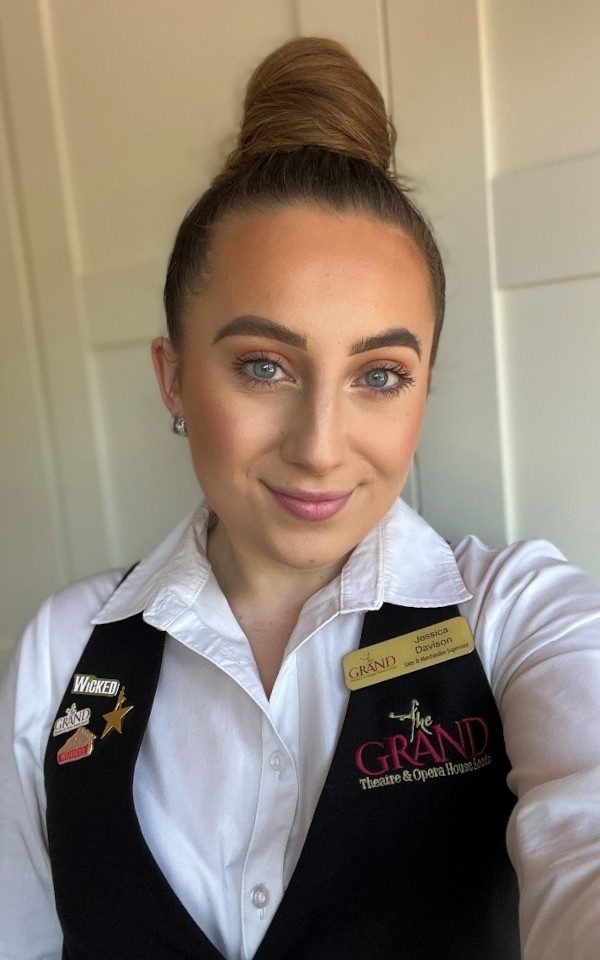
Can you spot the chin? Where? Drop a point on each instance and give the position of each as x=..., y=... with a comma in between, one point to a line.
x=309, y=555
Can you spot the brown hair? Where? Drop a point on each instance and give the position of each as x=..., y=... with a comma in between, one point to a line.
x=314, y=131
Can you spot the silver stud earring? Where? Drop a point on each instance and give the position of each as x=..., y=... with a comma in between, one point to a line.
x=179, y=426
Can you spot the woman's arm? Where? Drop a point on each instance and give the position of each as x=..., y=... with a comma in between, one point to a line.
x=30, y=693
x=29, y=928
x=538, y=619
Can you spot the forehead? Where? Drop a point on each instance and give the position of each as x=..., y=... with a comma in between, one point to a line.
x=312, y=243
x=302, y=255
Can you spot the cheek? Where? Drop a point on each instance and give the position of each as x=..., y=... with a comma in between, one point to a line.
x=395, y=439
x=413, y=430
x=226, y=430
x=215, y=429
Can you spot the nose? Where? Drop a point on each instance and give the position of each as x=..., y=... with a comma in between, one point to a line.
x=314, y=431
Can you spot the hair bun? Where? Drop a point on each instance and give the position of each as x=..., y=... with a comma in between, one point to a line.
x=311, y=90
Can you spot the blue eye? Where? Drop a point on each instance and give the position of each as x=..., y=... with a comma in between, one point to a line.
x=263, y=369
x=258, y=370
x=379, y=378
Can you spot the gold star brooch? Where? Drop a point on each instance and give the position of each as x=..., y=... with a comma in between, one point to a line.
x=114, y=718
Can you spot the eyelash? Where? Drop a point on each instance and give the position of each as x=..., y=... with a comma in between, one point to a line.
x=406, y=380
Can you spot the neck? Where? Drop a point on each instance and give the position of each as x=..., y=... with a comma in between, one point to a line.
x=242, y=577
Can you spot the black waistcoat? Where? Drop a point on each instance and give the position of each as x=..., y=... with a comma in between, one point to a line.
x=405, y=858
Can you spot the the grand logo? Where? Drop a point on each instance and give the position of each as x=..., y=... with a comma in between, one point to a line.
x=417, y=722
x=452, y=748
x=71, y=719
x=371, y=666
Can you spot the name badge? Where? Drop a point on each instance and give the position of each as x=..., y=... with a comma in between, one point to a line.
x=407, y=653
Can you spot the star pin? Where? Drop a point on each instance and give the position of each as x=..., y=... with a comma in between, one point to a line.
x=114, y=718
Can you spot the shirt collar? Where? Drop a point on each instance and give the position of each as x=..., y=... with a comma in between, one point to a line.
x=402, y=560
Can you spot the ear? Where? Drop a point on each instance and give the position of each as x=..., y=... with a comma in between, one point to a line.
x=166, y=366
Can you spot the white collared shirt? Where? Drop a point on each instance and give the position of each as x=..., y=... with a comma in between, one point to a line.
x=227, y=780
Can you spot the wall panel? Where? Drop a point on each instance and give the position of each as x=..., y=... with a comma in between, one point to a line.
x=552, y=347
x=542, y=105
x=548, y=222
x=545, y=95
x=151, y=482
x=437, y=110
x=46, y=218
x=32, y=548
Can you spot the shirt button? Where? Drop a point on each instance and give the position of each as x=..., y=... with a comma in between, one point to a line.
x=259, y=896
x=276, y=764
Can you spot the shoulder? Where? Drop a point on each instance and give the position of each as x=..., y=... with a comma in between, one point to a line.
x=528, y=604
x=65, y=618
x=496, y=574
x=79, y=602
x=51, y=645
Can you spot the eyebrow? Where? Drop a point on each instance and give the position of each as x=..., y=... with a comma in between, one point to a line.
x=252, y=325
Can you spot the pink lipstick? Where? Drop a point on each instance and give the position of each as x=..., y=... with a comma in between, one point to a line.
x=310, y=504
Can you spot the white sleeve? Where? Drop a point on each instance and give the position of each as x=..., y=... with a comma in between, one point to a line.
x=30, y=693
x=537, y=620
x=29, y=928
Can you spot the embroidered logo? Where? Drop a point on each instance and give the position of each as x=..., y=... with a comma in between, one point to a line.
x=416, y=720
x=77, y=747
x=72, y=718
x=95, y=686
x=429, y=750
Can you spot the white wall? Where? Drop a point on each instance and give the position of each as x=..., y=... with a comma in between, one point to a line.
x=115, y=115
x=542, y=108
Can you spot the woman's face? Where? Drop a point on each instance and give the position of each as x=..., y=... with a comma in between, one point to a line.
x=281, y=387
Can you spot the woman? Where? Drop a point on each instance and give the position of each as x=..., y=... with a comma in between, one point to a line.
x=273, y=737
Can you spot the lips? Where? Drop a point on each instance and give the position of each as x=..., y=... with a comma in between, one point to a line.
x=310, y=505
x=313, y=496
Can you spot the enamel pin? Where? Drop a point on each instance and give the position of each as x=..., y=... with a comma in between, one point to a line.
x=72, y=718
x=77, y=747
x=114, y=718
x=86, y=683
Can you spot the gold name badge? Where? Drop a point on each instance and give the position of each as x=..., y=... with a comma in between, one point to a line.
x=412, y=651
